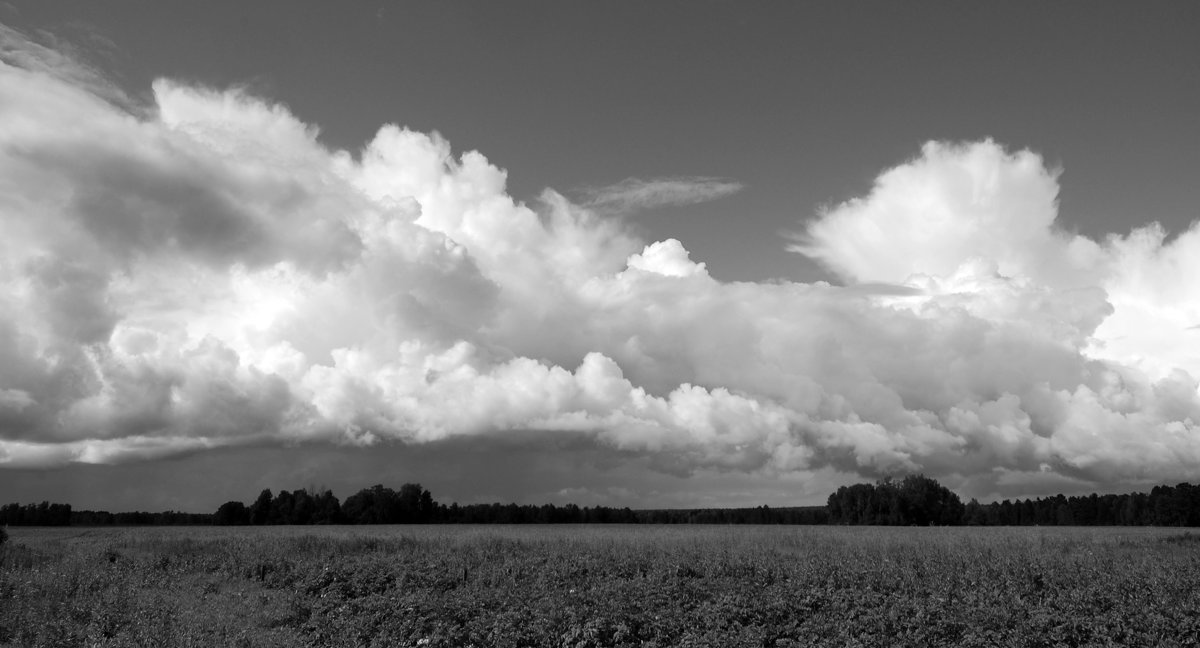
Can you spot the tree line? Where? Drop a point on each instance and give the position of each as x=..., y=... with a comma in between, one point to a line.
x=44, y=514
x=919, y=500
x=1176, y=506
x=912, y=500
x=413, y=504
x=55, y=514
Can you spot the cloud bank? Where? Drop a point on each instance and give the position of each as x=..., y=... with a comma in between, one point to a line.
x=204, y=273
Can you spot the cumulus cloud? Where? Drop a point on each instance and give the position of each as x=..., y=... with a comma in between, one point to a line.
x=633, y=195
x=203, y=273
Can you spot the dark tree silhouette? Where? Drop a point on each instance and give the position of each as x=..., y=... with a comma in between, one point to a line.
x=327, y=509
x=260, y=510
x=282, y=507
x=303, y=507
x=231, y=514
x=374, y=505
x=913, y=500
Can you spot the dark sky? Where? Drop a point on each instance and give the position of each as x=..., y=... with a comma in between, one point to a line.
x=198, y=300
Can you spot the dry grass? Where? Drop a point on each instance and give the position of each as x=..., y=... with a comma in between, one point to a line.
x=586, y=586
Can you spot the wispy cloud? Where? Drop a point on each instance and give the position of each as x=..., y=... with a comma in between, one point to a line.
x=53, y=55
x=634, y=194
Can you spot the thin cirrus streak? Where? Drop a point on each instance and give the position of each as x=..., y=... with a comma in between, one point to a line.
x=205, y=273
x=633, y=194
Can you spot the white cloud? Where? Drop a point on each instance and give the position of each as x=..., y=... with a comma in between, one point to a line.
x=634, y=195
x=206, y=274
x=668, y=258
x=953, y=204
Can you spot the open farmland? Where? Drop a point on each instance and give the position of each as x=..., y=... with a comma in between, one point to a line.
x=583, y=586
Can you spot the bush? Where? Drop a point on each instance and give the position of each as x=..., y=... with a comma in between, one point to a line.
x=3, y=535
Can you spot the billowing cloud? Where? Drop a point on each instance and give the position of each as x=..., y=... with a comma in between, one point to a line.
x=633, y=195
x=203, y=273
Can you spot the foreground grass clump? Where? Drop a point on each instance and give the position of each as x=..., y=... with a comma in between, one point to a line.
x=599, y=586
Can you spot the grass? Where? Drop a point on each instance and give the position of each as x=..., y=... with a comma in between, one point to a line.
x=591, y=586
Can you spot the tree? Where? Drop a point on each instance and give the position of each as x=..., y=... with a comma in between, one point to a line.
x=232, y=513
x=328, y=510
x=303, y=507
x=1063, y=515
x=374, y=505
x=260, y=510
x=428, y=507
x=975, y=514
x=915, y=499
x=409, y=499
x=924, y=501
x=281, y=509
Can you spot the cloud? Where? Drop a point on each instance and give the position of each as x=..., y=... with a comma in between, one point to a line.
x=202, y=273
x=634, y=195
x=962, y=216
x=953, y=204
x=63, y=59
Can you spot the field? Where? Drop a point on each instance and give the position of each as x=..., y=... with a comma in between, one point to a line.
x=588, y=586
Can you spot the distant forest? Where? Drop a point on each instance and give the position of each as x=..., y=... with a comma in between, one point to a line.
x=913, y=500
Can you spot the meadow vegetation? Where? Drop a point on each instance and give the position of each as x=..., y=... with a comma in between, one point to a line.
x=592, y=586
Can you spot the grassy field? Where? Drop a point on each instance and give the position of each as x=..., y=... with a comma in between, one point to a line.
x=587, y=586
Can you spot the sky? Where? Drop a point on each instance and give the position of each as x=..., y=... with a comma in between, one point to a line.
x=636, y=254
